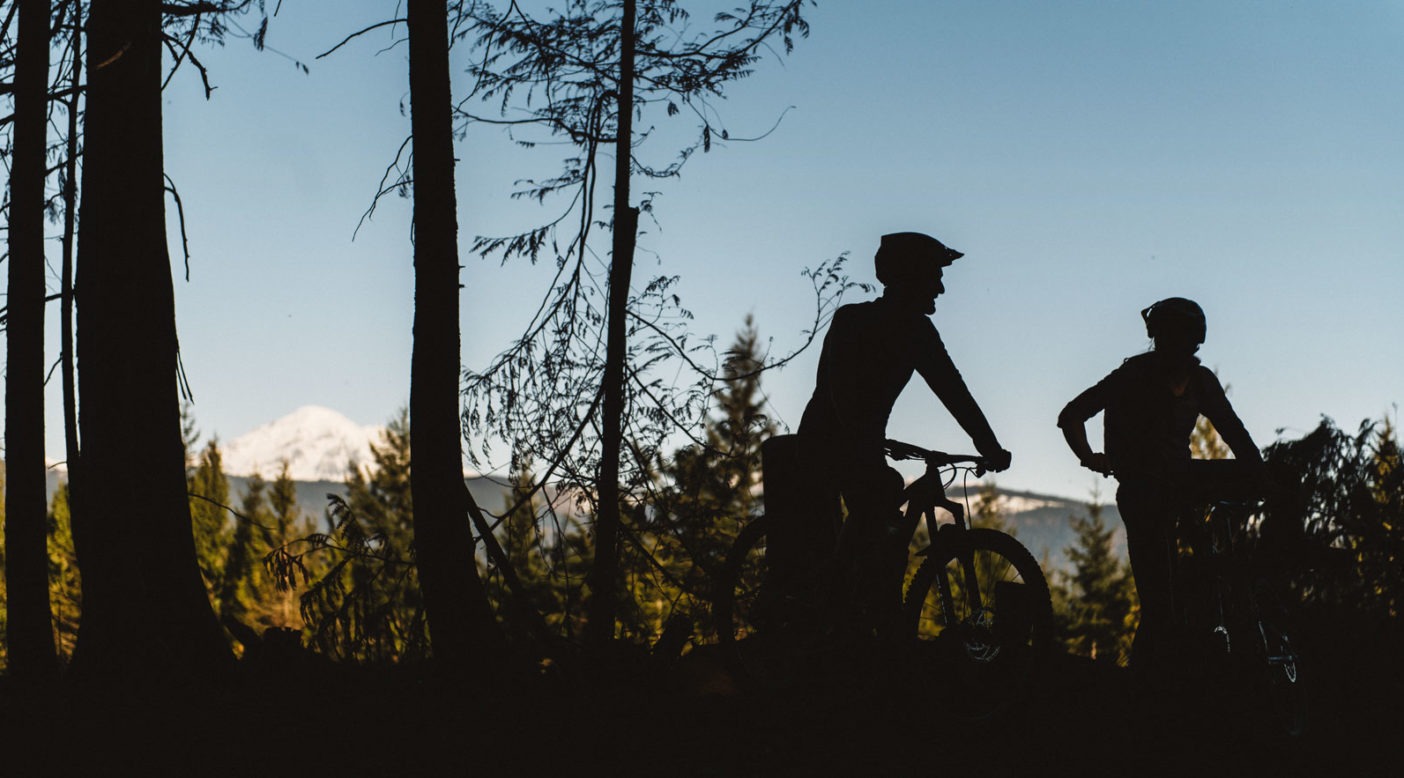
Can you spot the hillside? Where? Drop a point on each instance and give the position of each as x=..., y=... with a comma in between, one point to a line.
x=1042, y=522
x=490, y=494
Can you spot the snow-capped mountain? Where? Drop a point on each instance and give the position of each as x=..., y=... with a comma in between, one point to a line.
x=317, y=442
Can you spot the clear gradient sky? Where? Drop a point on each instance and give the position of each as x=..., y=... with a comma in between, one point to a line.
x=1089, y=157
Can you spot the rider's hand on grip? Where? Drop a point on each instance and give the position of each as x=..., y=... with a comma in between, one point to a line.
x=998, y=460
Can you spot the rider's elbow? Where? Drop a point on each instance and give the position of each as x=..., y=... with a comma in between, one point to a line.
x=1069, y=419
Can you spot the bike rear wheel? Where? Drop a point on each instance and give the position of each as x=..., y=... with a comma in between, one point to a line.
x=982, y=618
x=743, y=608
x=774, y=631
x=736, y=603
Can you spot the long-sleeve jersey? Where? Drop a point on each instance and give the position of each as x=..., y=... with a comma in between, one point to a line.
x=869, y=355
x=1147, y=426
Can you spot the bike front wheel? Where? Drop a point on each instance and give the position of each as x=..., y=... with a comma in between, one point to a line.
x=981, y=617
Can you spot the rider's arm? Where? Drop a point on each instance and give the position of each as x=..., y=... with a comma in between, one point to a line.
x=1215, y=407
x=1073, y=422
x=939, y=371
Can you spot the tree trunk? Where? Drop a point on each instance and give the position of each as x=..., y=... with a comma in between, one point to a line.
x=146, y=615
x=30, y=631
x=462, y=628
x=604, y=575
x=70, y=239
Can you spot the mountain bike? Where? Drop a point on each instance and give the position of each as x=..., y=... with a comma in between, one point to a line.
x=975, y=623
x=1226, y=603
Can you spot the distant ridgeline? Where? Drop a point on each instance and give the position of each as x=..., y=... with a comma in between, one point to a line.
x=490, y=494
x=1043, y=523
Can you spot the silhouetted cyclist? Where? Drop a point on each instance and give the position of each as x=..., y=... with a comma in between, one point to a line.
x=1150, y=405
x=869, y=355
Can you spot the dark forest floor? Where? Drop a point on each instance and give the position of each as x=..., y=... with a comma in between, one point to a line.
x=688, y=718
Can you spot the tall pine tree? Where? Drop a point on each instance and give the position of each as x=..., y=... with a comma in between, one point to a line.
x=288, y=523
x=245, y=583
x=366, y=603
x=1096, y=603
x=209, y=513
x=715, y=485
x=521, y=537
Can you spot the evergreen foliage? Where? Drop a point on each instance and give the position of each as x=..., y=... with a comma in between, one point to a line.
x=363, y=601
x=521, y=537
x=245, y=581
x=65, y=582
x=208, y=487
x=288, y=524
x=713, y=486
x=1341, y=519
x=268, y=519
x=988, y=513
x=677, y=530
x=1095, y=605
x=65, y=590
x=550, y=557
x=231, y=544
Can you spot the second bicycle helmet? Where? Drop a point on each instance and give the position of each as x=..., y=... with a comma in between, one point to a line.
x=1175, y=314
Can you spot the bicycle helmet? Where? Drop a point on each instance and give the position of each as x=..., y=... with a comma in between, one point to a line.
x=907, y=255
x=1175, y=314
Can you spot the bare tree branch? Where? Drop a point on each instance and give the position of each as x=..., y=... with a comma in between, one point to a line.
x=359, y=33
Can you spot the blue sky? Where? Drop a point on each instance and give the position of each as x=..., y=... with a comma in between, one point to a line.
x=1089, y=157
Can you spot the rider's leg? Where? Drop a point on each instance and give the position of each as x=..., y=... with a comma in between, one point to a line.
x=877, y=537
x=802, y=503
x=1144, y=511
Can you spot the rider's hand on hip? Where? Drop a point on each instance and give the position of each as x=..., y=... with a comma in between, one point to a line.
x=1097, y=462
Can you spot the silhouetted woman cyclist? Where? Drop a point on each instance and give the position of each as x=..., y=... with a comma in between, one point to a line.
x=1150, y=405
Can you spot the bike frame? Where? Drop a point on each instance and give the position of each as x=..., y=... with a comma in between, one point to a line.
x=1223, y=545
x=924, y=496
x=977, y=653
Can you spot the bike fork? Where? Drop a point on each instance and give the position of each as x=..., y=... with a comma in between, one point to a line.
x=1221, y=629
x=1223, y=632
x=1281, y=655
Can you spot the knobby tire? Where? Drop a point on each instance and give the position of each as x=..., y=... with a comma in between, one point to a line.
x=739, y=612
x=738, y=588
x=979, y=661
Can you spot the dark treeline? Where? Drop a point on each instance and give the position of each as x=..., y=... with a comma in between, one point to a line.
x=141, y=574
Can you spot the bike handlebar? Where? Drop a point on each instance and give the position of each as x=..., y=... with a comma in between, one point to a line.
x=902, y=451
